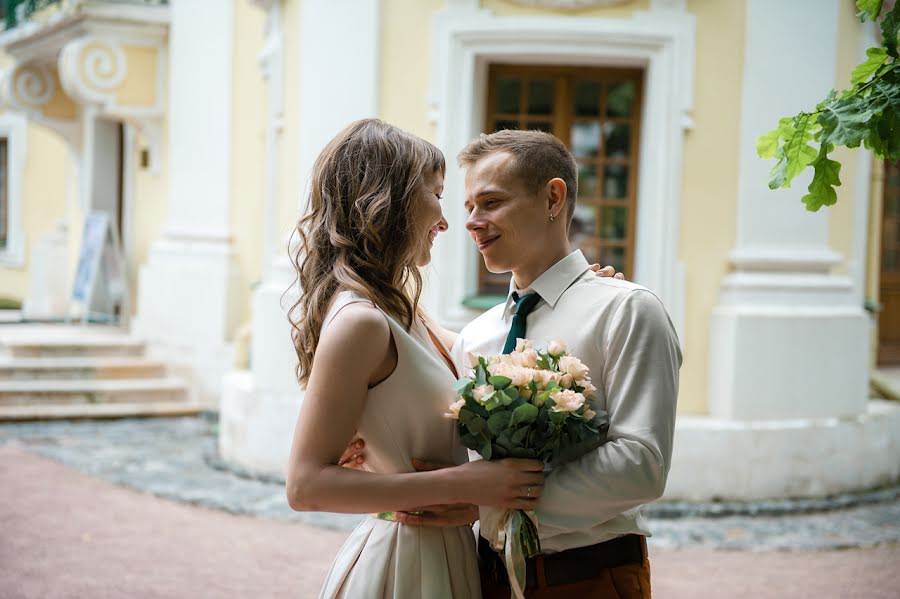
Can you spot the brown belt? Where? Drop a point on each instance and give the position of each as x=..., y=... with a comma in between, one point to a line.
x=569, y=566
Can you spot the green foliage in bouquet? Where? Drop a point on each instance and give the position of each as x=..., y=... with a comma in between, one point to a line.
x=868, y=113
x=509, y=423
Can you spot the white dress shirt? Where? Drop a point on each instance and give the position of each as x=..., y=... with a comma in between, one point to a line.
x=622, y=333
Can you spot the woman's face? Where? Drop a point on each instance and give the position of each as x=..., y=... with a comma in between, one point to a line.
x=429, y=219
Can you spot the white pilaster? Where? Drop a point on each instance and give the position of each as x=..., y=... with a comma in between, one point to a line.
x=259, y=407
x=186, y=305
x=788, y=339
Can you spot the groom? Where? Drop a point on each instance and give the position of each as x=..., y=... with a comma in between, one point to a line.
x=521, y=188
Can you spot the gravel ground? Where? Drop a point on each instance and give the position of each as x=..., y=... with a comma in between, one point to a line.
x=176, y=458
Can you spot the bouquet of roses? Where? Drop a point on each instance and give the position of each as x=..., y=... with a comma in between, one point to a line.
x=527, y=404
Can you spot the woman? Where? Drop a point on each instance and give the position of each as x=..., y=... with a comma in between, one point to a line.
x=373, y=363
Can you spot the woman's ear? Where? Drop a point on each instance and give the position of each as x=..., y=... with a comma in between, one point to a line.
x=556, y=197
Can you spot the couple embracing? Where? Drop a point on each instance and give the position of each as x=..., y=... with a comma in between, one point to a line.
x=378, y=370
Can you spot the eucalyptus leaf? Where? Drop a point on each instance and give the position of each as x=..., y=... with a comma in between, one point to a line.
x=499, y=422
x=524, y=414
x=499, y=382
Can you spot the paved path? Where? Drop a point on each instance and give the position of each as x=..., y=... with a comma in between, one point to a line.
x=65, y=534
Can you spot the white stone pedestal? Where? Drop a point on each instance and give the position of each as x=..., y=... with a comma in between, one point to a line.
x=259, y=407
x=720, y=458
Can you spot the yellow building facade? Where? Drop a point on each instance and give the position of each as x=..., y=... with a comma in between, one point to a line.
x=196, y=122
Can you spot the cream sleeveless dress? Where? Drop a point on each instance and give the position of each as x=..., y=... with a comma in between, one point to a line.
x=403, y=419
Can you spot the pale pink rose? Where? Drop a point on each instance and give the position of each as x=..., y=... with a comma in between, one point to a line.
x=543, y=377
x=518, y=375
x=527, y=358
x=501, y=360
x=587, y=386
x=523, y=344
x=567, y=400
x=566, y=381
x=526, y=393
x=455, y=407
x=481, y=391
x=589, y=414
x=574, y=366
x=557, y=348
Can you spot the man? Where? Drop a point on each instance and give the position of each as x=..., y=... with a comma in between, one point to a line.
x=521, y=188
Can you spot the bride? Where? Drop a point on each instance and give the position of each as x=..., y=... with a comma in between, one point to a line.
x=375, y=365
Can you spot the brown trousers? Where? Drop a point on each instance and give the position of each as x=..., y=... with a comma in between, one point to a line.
x=631, y=581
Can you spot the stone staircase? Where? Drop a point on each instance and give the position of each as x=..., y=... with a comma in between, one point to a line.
x=74, y=371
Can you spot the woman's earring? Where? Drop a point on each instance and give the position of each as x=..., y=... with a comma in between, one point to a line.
x=552, y=217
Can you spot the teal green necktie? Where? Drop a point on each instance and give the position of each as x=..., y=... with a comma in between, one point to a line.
x=524, y=305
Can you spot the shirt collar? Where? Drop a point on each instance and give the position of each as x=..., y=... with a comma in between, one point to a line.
x=553, y=282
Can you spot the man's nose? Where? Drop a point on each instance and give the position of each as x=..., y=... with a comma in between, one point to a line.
x=474, y=222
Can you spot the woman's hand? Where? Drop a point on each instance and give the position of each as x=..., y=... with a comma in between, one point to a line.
x=355, y=455
x=439, y=516
x=509, y=483
x=607, y=271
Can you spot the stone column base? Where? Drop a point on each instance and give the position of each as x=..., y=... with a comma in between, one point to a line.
x=722, y=459
x=256, y=427
x=188, y=310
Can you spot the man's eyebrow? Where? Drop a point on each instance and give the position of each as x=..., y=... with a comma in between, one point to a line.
x=489, y=191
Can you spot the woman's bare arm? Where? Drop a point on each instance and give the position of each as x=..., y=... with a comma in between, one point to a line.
x=351, y=355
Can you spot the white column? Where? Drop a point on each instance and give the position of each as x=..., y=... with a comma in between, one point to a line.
x=788, y=339
x=338, y=84
x=186, y=291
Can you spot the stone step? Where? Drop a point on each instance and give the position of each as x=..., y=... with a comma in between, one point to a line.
x=21, y=413
x=29, y=393
x=68, y=368
x=67, y=346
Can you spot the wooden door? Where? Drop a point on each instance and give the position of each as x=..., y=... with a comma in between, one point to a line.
x=889, y=319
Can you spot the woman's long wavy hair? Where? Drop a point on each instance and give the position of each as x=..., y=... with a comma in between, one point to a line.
x=357, y=234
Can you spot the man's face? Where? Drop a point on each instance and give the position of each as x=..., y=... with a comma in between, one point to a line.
x=507, y=221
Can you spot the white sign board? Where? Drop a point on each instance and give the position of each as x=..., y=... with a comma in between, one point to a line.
x=100, y=291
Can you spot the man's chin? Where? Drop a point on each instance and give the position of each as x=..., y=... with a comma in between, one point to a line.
x=496, y=267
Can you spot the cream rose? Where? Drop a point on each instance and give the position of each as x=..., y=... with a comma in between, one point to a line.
x=481, y=391
x=527, y=358
x=557, y=348
x=566, y=381
x=587, y=386
x=574, y=366
x=523, y=344
x=589, y=414
x=567, y=400
x=455, y=407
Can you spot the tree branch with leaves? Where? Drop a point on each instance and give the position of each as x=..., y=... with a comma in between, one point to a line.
x=868, y=113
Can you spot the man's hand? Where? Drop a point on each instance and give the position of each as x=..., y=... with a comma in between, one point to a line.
x=354, y=456
x=607, y=271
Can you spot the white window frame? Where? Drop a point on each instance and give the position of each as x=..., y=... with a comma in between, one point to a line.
x=468, y=39
x=14, y=127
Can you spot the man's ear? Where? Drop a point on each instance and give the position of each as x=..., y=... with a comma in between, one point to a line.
x=556, y=196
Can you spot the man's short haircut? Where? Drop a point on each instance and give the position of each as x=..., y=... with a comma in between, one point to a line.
x=537, y=158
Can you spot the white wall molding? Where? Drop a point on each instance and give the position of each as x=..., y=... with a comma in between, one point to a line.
x=467, y=40
x=14, y=127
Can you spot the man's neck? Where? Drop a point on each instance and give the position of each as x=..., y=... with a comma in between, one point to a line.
x=526, y=274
